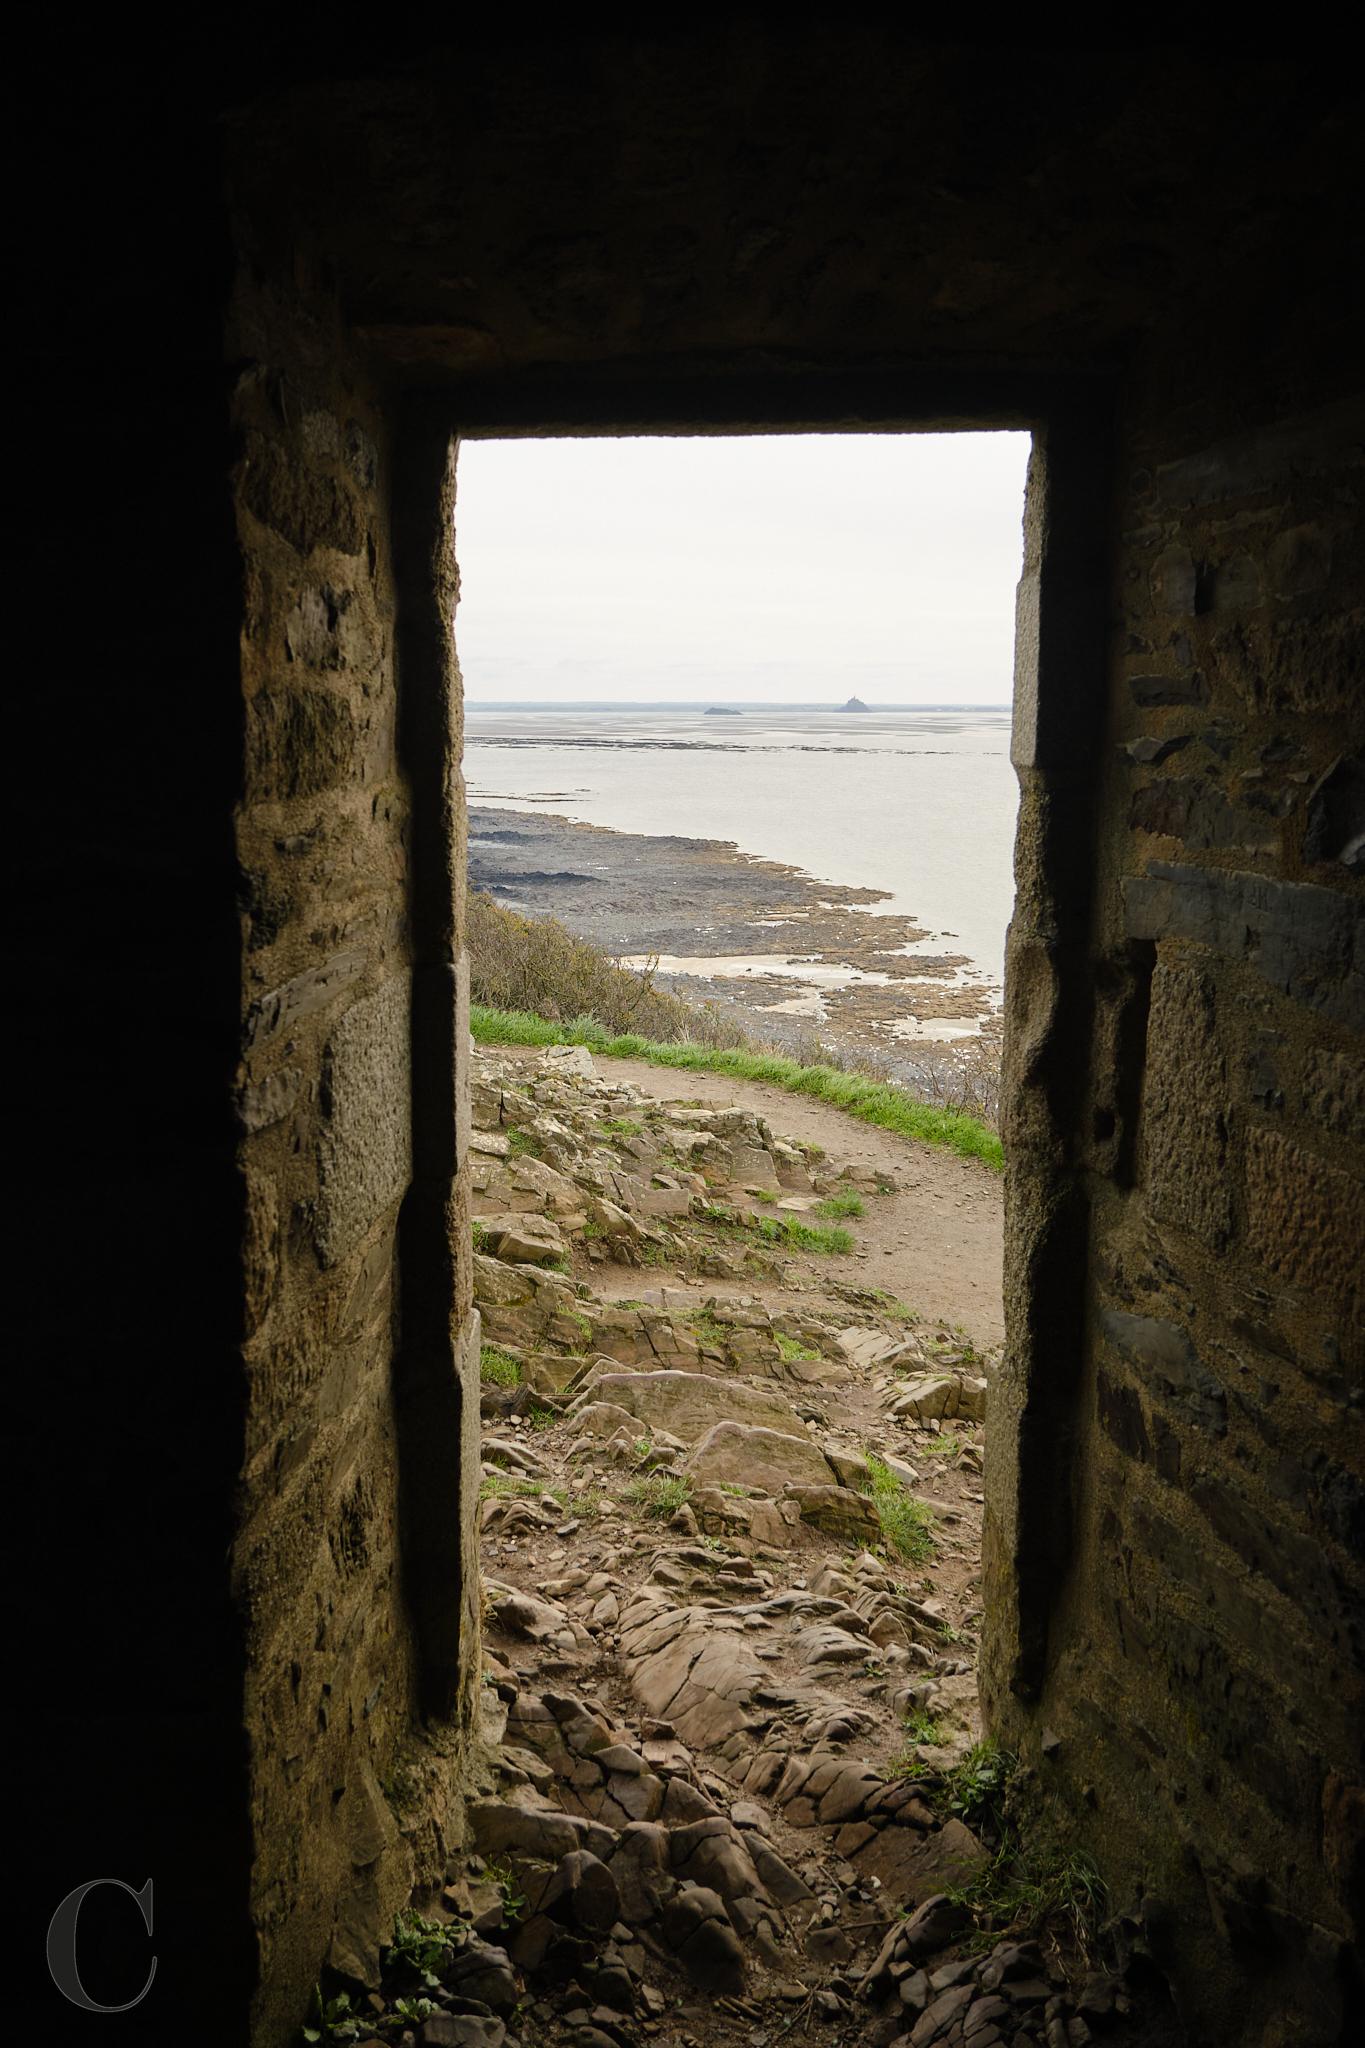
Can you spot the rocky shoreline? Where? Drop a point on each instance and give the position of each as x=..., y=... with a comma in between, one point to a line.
x=798, y=960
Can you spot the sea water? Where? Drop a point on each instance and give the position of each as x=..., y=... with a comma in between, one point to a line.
x=919, y=802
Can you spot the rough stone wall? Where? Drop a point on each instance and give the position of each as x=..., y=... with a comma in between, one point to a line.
x=351, y=1497
x=1178, y=1647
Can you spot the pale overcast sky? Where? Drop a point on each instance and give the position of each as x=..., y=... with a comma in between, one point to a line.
x=803, y=568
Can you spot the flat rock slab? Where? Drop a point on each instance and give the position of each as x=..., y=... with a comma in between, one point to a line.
x=867, y=1348
x=737, y=1454
x=685, y=1669
x=527, y=1240
x=565, y=1061
x=913, y=1866
x=935, y=1397
x=688, y=1404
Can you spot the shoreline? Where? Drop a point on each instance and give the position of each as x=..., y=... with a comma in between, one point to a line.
x=795, y=958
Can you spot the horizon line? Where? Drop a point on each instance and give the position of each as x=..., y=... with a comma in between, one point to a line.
x=711, y=703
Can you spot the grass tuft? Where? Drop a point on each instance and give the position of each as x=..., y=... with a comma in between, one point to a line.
x=788, y=1232
x=882, y=1103
x=842, y=1204
x=660, y=1494
x=498, y=1367
x=791, y=1351
x=907, y=1523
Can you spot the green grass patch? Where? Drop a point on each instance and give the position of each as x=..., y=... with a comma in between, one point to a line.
x=922, y=1727
x=803, y=1237
x=499, y=1368
x=478, y=1236
x=1034, y=1887
x=891, y=1305
x=709, y=1331
x=942, y=1446
x=504, y=1486
x=842, y=1204
x=874, y=1102
x=620, y=1127
x=660, y=1494
x=521, y=1144
x=907, y=1523
x=791, y=1350
x=975, y=1789
x=787, y=1232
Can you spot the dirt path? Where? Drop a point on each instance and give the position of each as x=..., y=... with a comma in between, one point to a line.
x=935, y=1242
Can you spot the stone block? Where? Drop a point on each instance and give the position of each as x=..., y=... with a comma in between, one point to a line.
x=1262, y=457
x=1172, y=582
x=1121, y=1417
x=1336, y=817
x=302, y=996
x=304, y=507
x=299, y=742
x=688, y=1404
x=1306, y=1220
x=1184, y=1137
x=751, y=1455
x=1186, y=688
x=365, y=1148
x=1303, y=940
x=1298, y=562
x=1169, y=1365
x=1334, y=1092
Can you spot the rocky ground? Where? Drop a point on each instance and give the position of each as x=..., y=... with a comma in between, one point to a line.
x=731, y=1514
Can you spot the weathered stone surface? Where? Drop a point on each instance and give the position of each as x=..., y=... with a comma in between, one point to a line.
x=524, y=1240
x=641, y=1868
x=681, y=1667
x=749, y=1455
x=548, y=1834
x=934, y=1397
x=1300, y=939
x=1169, y=1363
x=696, y=1927
x=461, y=2030
x=365, y=1145
x=584, y=1894
x=1306, y=1220
x=574, y=1061
x=688, y=1404
x=1184, y=1121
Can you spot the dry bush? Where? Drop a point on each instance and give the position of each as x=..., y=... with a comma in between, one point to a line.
x=536, y=964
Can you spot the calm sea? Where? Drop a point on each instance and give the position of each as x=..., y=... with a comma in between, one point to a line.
x=920, y=803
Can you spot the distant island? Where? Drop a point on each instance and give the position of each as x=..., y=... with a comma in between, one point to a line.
x=855, y=704
x=722, y=711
